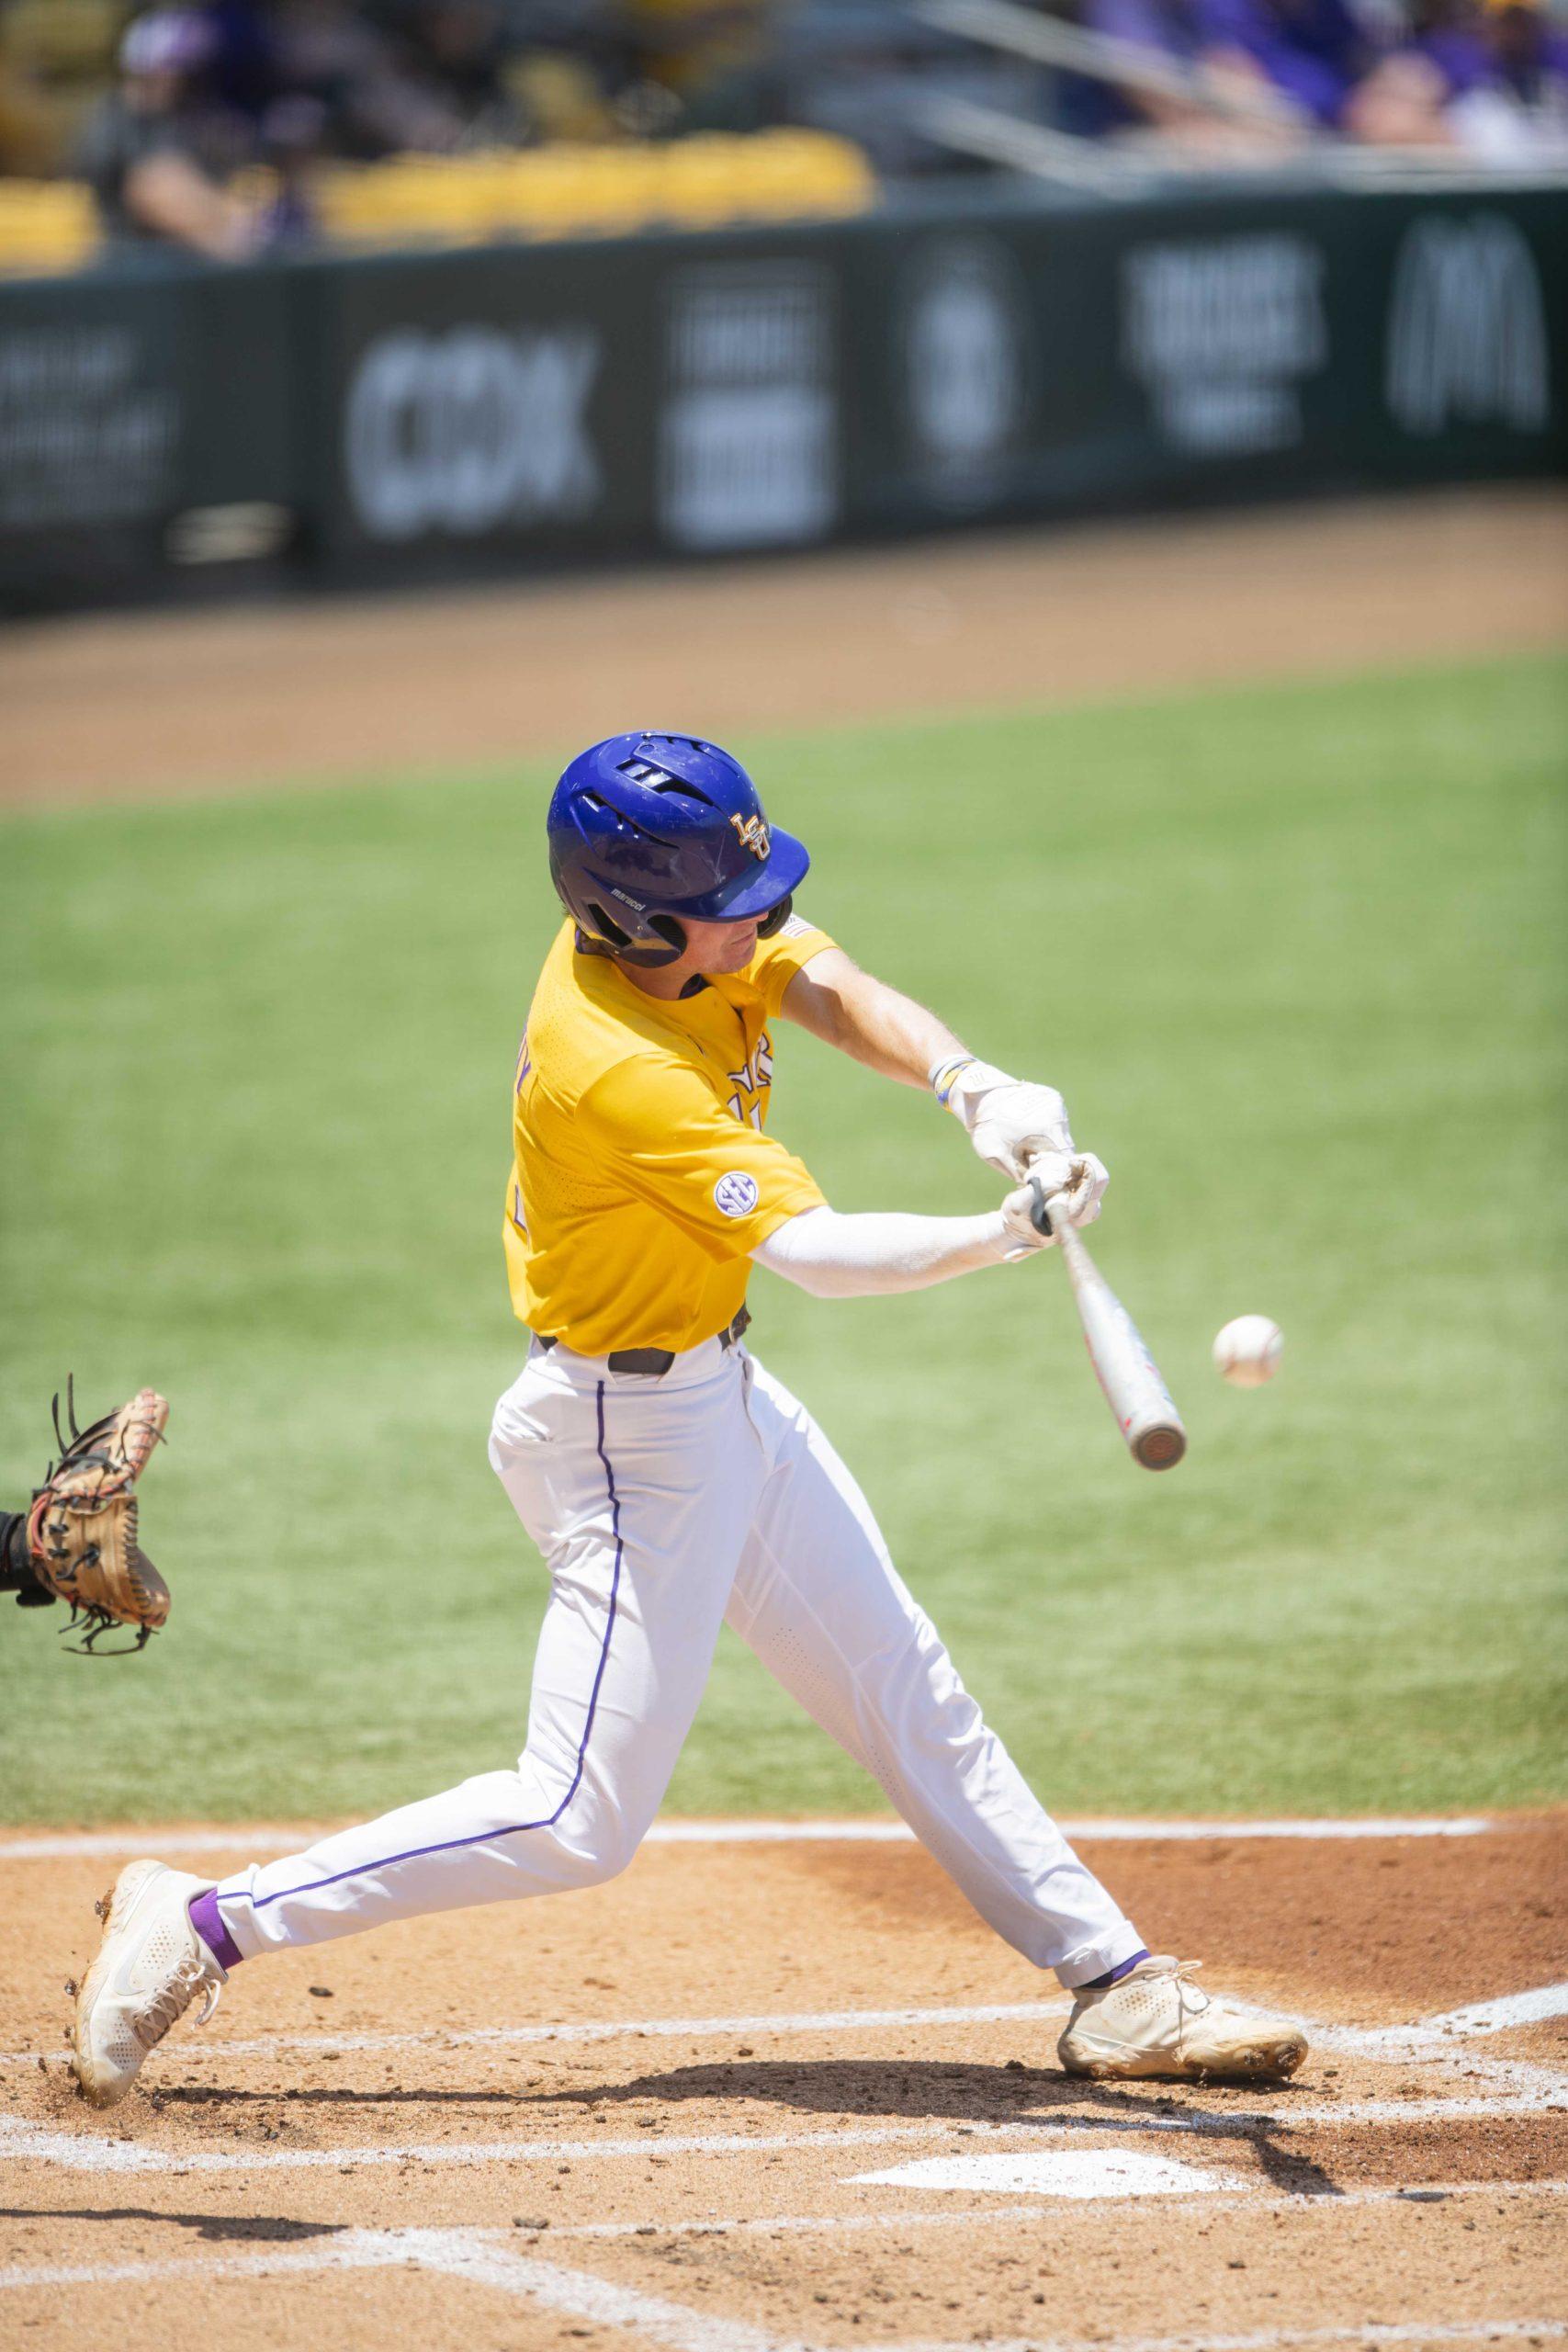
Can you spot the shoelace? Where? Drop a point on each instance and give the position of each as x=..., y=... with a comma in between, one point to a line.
x=173, y=1999
x=1191, y=1997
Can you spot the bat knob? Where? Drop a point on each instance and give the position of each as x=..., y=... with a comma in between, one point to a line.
x=1038, y=1215
x=1160, y=1448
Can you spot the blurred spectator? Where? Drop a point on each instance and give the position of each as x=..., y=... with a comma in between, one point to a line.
x=1490, y=81
x=1310, y=50
x=329, y=54
x=256, y=95
x=450, y=57
x=1308, y=55
x=423, y=76
x=690, y=43
x=1313, y=52
x=159, y=149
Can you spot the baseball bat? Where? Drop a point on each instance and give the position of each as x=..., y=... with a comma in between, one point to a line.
x=1138, y=1397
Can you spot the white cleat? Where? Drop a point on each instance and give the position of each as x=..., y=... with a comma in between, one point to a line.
x=1155, y=2022
x=150, y=1966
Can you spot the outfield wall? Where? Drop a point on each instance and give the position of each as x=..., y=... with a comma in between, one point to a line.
x=168, y=426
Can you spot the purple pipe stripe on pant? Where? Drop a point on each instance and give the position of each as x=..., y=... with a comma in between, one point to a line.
x=512, y=1829
x=1114, y=1975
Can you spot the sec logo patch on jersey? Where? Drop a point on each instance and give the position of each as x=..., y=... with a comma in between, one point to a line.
x=735, y=1193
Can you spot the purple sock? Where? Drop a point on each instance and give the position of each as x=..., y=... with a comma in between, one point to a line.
x=207, y=1921
x=1112, y=1975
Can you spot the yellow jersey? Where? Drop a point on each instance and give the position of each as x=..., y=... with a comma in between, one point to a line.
x=642, y=1175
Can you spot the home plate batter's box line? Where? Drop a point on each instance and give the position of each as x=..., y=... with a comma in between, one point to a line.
x=895, y=2222
x=22, y=2140
x=473, y=2255
x=244, y=1838
x=1432, y=2039
x=980, y=2217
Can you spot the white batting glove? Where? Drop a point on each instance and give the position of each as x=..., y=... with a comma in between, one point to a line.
x=1080, y=1180
x=1010, y=1120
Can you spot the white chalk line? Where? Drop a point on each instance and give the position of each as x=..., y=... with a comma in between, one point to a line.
x=343, y=2250
x=477, y=2256
x=578, y=2294
x=982, y=2217
x=890, y=2218
x=22, y=2142
x=471, y=2255
x=779, y=2024
x=1431, y=2038
x=461, y=2253
x=1534, y=2007
x=25, y=2141
x=1269, y=2339
x=244, y=1836
x=1449, y=2053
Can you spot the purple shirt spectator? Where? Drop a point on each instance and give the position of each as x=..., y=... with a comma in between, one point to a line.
x=1312, y=50
x=1168, y=27
x=1469, y=61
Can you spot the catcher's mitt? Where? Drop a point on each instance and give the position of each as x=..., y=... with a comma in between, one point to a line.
x=80, y=1544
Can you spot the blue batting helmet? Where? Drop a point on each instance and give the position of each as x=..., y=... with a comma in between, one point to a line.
x=645, y=829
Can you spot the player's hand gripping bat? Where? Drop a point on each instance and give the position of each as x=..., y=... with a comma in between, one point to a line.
x=1129, y=1375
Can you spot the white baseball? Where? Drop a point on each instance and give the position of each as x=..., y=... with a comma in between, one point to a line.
x=1247, y=1351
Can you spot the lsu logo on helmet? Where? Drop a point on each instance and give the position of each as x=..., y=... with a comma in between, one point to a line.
x=753, y=832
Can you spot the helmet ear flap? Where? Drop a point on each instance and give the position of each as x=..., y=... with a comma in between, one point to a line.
x=607, y=927
x=671, y=931
x=775, y=919
x=611, y=938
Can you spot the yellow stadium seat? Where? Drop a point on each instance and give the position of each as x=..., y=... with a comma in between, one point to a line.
x=559, y=191
x=565, y=189
x=45, y=226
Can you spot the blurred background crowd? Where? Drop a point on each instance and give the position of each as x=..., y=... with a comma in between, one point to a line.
x=236, y=126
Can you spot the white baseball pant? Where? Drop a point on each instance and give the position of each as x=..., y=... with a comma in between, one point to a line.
x=664, y=1506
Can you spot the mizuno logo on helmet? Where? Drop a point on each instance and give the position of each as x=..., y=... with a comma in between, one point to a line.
x=753, y=831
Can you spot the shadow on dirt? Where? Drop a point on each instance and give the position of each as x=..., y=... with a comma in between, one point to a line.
x=259, y=2228
x=914, y=2089
x=1013, y=2095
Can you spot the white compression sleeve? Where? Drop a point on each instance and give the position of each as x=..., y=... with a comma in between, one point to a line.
x=848, y=1257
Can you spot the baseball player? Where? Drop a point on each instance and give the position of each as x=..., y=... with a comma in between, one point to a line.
x=670, y=1481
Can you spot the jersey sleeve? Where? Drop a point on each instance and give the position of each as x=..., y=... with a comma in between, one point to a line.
x=778, y=959
x=655, y=1123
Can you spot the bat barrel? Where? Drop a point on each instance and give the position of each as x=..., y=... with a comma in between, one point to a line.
x=1139, y=1402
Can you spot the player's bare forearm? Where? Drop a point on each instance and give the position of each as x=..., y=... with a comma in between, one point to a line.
x=866, y=1018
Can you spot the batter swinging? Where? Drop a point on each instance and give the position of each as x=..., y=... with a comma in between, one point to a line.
x=670, y=1481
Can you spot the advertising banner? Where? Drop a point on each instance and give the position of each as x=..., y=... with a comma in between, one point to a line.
x=128, y=404
x=455, y=413
x=477, y=407
x=1209, y=350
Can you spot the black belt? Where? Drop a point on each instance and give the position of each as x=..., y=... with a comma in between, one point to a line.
x=654, y=1360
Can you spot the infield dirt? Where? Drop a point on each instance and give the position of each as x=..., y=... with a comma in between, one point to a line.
x=657, y=2113
x=132, y=706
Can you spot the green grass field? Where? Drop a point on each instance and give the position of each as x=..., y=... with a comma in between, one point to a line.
x=1295, y=957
